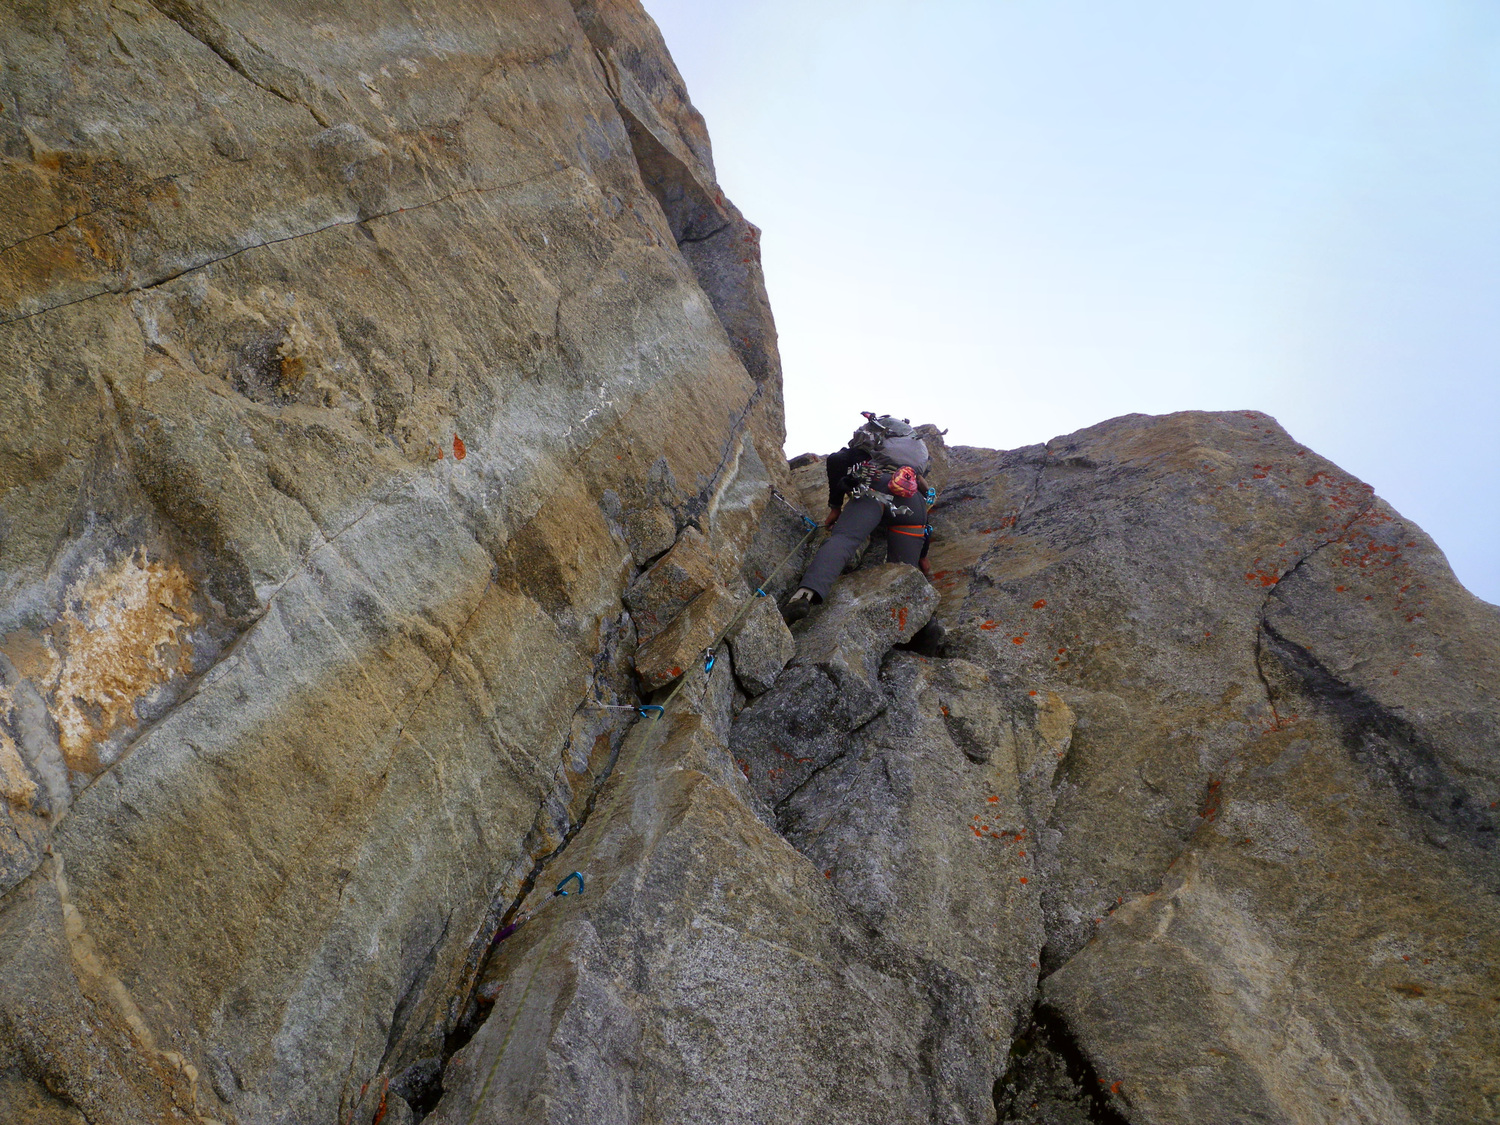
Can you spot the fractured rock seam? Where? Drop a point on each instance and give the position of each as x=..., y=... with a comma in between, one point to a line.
x=212, y=35
x=478, y=190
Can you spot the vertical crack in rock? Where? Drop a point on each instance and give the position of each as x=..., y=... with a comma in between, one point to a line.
x=1050, y=1081
x=1265, y=604
x=421, y=1084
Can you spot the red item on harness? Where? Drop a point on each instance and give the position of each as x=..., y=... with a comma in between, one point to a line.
x=904, y=483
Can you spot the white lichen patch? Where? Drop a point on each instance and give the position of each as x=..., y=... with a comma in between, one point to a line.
x=121, y=638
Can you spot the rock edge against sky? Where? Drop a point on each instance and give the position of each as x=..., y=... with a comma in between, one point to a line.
x=393, y=398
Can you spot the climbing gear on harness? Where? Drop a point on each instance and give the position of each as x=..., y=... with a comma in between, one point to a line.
x=864, y=476
x=897, y=455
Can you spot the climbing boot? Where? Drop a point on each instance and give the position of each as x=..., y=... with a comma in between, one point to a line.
x=798, y=606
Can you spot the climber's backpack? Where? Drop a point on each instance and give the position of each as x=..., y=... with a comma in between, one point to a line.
x=891, y=442
x=899, y=451
x=895, y=460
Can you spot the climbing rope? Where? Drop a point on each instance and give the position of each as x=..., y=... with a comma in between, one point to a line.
x=641, y=709
x=541, y=956
x=710, y=654
x=793, y=508
x=656, y=712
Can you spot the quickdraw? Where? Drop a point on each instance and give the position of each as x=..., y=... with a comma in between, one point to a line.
x=864, y=475
x=863, y=491
x=642, y=709
x=810, y=523
x=545, y=947
x=560, y=891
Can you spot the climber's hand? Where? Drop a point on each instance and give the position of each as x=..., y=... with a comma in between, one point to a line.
x=831, y=518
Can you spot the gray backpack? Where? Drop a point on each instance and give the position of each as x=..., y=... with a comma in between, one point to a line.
x=904, y=451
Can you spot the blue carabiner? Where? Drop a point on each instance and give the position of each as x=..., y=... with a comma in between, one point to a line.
x=709, y=656
x=568, y=879
x=647, y=707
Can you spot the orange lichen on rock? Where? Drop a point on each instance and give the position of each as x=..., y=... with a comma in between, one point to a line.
x=119, y=639
x=17, y=787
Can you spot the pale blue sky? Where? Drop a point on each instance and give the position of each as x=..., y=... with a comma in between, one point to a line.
x=1016, y=218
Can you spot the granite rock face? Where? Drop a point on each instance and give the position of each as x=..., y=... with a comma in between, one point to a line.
x=1159, y=817
x=1269, y=868
x=391, y=406
x=354, y=365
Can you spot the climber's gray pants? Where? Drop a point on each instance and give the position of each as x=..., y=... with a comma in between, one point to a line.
x=904, y=535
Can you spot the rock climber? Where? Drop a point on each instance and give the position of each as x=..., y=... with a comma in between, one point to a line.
x=874, y=483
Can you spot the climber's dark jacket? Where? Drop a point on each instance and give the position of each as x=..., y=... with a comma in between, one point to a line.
x=838, y=466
